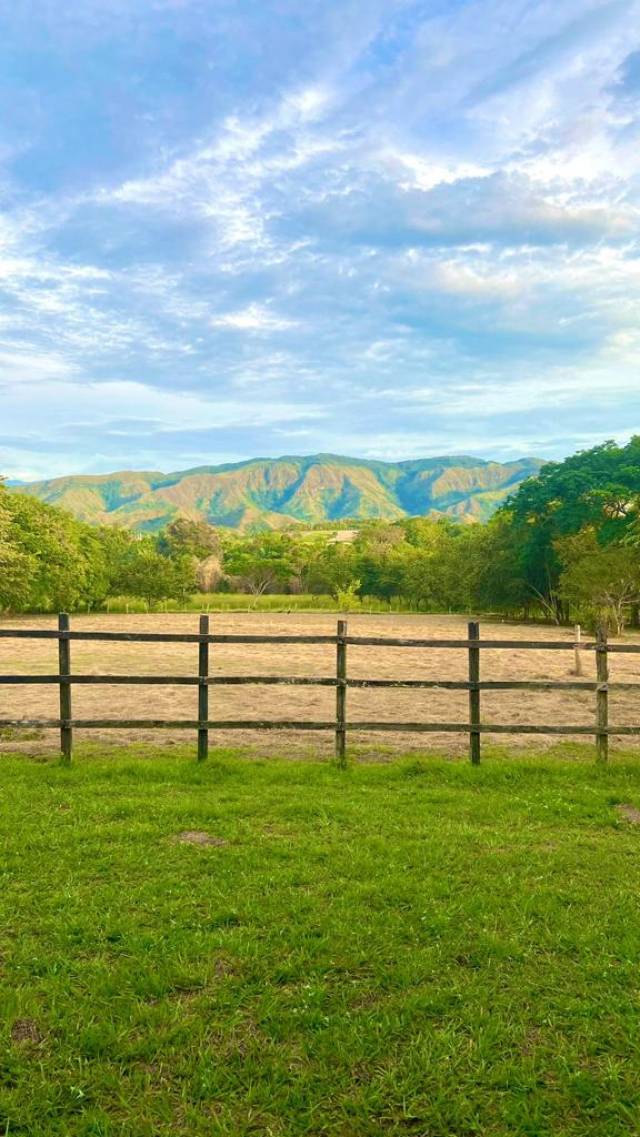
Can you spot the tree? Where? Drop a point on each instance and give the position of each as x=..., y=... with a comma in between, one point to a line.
x=50, y=560
x=16, y=566
x=597, y=487
x=605, y=580
x=145, y=572
x=199, y=541
x=261, y=563
x=184, y=537
x=333, y=569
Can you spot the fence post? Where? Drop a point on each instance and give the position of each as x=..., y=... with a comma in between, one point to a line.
x=474, y=693
x=577, y=631
x=341, y=694
x=203, y=691
x=64, y=670
x=602, y=696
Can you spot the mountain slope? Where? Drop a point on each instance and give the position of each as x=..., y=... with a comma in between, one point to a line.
x=276, y=492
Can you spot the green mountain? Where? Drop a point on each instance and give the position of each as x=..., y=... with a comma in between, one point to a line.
x=276, y=492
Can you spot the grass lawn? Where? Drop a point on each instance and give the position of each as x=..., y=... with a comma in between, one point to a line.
x=413, y=948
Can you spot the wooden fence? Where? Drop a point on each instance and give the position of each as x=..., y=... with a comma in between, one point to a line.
x=473, y=645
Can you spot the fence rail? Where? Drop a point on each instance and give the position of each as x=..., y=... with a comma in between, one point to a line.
x=65, y=679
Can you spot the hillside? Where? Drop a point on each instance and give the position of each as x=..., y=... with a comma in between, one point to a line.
x=277, y=492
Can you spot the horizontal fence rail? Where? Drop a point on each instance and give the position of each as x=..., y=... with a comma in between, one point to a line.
x=65, y=680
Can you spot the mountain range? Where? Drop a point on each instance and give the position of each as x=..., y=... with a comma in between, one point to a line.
x=276, y=493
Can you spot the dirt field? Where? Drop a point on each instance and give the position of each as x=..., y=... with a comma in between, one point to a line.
x=32, y=656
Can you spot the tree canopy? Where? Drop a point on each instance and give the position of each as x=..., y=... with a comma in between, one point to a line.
x=565, y=545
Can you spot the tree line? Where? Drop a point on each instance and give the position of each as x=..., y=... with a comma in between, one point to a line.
x=565, y=546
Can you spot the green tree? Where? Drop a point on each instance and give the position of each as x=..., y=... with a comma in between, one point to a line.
x=597, y=487
x=332, y=569
x=185, y=537
x=261, y=563
x=145, y=572
x=51, y=561
x=16, y=566
x=603, y=580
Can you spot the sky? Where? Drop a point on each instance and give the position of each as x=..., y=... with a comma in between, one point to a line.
x=381, y=228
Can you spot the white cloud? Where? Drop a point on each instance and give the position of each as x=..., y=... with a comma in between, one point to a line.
x=253, y=318
x=95, y=405
x=439, y=203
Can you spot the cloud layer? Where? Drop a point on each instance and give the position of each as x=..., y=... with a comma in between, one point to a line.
x=387, y=230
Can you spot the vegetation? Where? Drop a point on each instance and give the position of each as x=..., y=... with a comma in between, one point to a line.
x=268, y=602
x=565, y=546
x=416, y=948
x=276, y=493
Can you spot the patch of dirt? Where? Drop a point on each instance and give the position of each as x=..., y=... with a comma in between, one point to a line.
x=198, y=837
x=224, y=967
x=629, y=812
x=26, y=1031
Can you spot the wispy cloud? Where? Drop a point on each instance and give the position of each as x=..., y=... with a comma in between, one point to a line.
x=422, y=221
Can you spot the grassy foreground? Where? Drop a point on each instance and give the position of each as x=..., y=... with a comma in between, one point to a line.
x=418, y=948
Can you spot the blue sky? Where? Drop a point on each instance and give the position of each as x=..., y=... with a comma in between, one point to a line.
x=390, y=229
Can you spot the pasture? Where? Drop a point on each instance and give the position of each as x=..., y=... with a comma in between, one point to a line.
x=282, y=948
x=315, y=703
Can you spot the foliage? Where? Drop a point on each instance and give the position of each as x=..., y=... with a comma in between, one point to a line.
x=565, y=545
x=604, y=579
x=48, y=559
x=143, y=571
x=597, y=488
x=185, y=537
x=272, y=493
x=347, y=598
x=261, y=563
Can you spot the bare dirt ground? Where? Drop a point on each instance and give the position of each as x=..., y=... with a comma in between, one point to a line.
x=281, y=702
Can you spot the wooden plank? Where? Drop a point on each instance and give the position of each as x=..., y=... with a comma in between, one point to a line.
x=141, y=680
x=64, y=667
x=140, y=637
x=494, y=645
x=203, y=690
x=212, y=724
x=483, y=728
x=602, y=697
x=159, y=637
x=29, y=634
x=317, y=681
x=269, y=680
x=341, y=693
x=356, y=641
x=474, y=693
x=277, y=724
x=246, y=639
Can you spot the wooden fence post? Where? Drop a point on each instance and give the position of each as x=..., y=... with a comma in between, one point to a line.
x=474, y=693
x=341, y=694
x=64, y=670
x=203, y=691
x=602, y=696
x=577, y=650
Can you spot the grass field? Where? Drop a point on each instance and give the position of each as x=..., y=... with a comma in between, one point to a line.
x=417, y=948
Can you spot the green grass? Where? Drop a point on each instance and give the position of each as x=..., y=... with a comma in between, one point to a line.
x=414, y=948
x=243, y=602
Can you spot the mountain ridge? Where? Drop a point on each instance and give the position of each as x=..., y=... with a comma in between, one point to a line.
x=280, y=492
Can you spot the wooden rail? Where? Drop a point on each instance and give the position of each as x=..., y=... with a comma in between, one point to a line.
x=474, y=685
